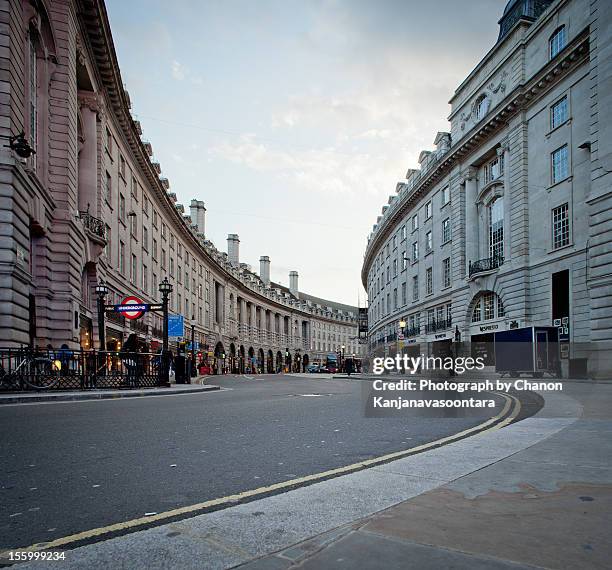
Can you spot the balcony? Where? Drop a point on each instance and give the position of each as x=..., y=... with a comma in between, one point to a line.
x=439, y=325
x=94, y=227
x=484, y=265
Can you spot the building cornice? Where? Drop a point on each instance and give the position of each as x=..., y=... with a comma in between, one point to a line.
x=516, y=101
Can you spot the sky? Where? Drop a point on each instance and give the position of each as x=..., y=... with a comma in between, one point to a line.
x=294, y=120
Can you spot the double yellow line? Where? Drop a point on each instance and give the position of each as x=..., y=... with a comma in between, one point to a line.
x=508, y=414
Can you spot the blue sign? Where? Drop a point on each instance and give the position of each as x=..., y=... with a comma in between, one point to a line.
x=176, y=325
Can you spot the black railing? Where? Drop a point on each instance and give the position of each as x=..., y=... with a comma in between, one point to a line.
x=487, y=264
x=438, y=325
x=65, y=369
x=414, y=331
x=93, y=225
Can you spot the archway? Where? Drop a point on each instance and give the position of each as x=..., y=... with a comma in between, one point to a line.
x=251, y=361
x=279, y=362
x=232, y=358
x=288, y=360
x=260, y=361
x=305, y=362
x=219, y=358
x=241, y=360
x=270, y=362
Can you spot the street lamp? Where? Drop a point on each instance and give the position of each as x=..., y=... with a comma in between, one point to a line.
x=165, y=288
x=101, y=291
x=193, y=358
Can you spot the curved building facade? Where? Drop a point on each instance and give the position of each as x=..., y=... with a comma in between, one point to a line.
x=507, y=222
x=91, y=204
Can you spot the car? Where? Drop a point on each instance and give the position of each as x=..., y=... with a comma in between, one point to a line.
x=312, y=368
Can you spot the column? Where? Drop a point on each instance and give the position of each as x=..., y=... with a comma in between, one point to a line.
x=471, y=218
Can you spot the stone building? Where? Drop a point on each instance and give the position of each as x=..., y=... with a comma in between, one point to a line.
x=507, y=222
x=91, y=204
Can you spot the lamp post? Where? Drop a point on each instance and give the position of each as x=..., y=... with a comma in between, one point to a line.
x=102, y=291
x=400, y=342
x=342, y=357
x=165, y=288
x=193, y=358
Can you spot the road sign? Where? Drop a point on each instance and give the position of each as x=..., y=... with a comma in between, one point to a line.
x=132, y=308
x=176, y=325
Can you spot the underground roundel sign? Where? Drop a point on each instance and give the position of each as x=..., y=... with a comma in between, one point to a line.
x=132, y=308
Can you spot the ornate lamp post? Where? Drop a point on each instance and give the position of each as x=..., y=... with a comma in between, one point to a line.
x=101, y=291
x=193, y=357
x=165, y=288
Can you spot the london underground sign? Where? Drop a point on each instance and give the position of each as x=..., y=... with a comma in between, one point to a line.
x=132, y=307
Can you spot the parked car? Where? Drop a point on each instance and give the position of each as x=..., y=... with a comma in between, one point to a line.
x=312, y=368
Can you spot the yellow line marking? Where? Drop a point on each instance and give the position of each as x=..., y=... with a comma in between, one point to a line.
x=134, y=523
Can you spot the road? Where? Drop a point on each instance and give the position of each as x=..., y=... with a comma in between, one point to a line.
x=74, y=466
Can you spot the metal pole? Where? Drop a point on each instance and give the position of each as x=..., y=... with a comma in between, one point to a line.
x=101, y=324
x=193, y=358
x=165, y=359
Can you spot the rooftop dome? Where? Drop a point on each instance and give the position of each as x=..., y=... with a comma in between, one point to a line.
x=515, y=10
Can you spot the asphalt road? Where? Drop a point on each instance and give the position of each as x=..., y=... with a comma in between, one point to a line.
x=74, y=466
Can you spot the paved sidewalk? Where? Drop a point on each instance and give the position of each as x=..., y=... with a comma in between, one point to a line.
x=70, y=396
x=547, y=506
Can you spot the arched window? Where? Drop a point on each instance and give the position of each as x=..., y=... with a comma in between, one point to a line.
x=557, y=41
x=489, y=306
x=496, y=229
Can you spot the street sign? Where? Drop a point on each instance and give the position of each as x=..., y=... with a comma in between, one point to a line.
x=176, y=325
x=132, y=308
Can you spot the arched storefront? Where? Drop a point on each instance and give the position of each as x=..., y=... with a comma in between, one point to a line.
x=279, y=362
x=241, y=360
x=232, y=364
x=270, y=363
x=251, y=362
x=219, y=367
x=288, y=360
x=260, y=361
x=486, y=315
x=305, y=362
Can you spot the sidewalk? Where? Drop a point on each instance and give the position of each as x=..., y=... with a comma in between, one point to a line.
x=547, y=506
x=74, y=395
x=537, y=493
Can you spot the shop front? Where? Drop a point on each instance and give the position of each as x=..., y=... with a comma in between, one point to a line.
x=482, y=340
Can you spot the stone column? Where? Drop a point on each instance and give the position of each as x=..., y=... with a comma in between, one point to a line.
x=471, y=217
x=504, y=151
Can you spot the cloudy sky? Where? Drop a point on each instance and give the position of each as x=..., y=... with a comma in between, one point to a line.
x=294, y=120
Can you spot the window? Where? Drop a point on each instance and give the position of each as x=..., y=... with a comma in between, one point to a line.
x=560, y=226
x=404, y=294
x=395, y=268
x=445, y=195
x=560, y=167
x=395, y=298
x=122, y=166
x=163, y=258
x=121, y=258
x=557, y=41
x=133, y=270
x=109, y=188
x=488, y=306
x=494, y=169
x=154, y=249
x=121, y=208
x=109, y=142
x=429, y=281
x=388, y=274
x=415, y=288
x=496, y=229
x=449, y=314
x=133, y=221
x=558, y=113
x=404, y=261
x=179, y=249
x=187, y=280
x=171, y=240
x=154, y=218
x=415, y=222
x=428, y=242
x=428, y=210
x=171, y=266
x=481, y=107
x=446, y=230
x=403, y=232
x=446, y=272
x=145, y=206
x=145, y=275
x=178, y=274
x=108, y=248
x=415, y=251
x=394, y=241
x=145, y=238
x=163, y=230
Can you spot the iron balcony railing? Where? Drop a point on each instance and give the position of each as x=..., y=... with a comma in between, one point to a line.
x=93, y=225
x=439, y=325
x=487, y=264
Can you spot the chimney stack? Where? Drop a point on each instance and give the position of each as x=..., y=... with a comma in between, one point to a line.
x=264, y=269
x=233, y=246
x=198, y=215
x=293, y=284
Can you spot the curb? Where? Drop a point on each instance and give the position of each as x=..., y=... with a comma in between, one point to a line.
x=4, y=400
